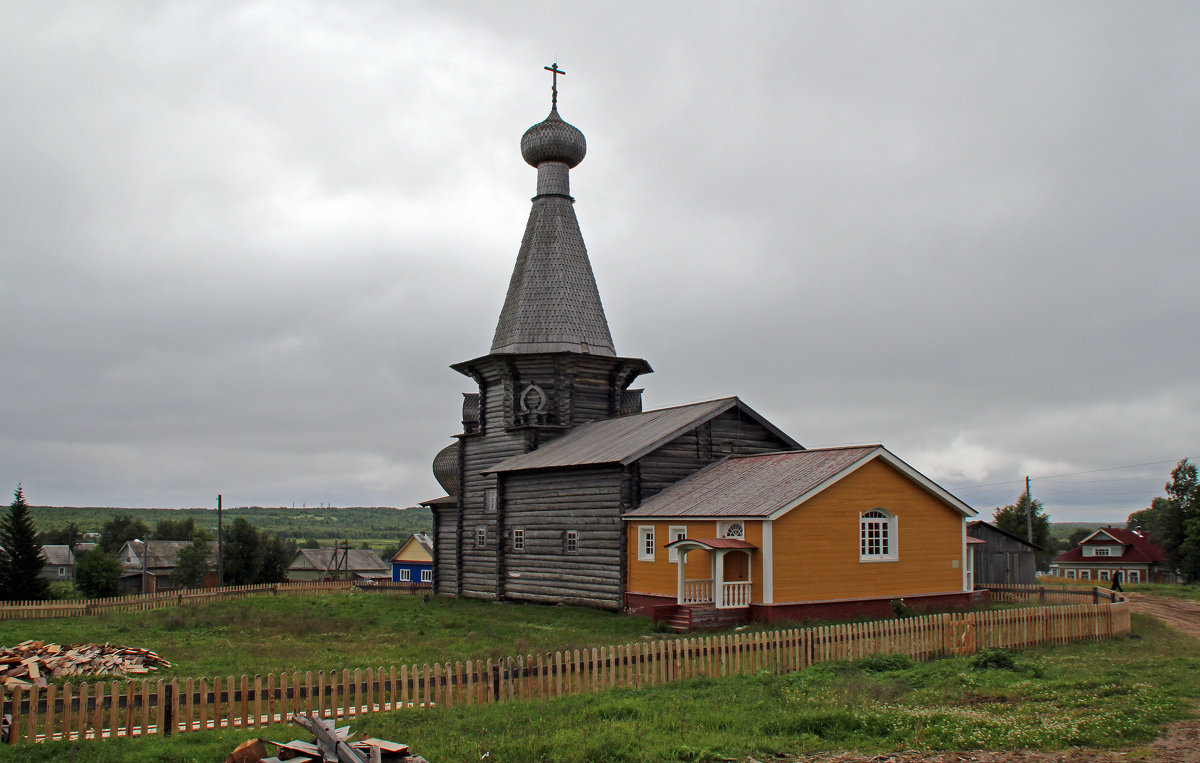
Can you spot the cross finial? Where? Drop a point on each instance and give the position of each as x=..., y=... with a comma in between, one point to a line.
x=554, y=71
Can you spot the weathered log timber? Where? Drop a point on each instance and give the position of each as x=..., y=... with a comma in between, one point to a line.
x=555, y=446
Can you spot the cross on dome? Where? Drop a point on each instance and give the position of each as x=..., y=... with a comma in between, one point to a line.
x=554, y=71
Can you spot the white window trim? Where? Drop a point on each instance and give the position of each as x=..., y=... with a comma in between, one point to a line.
x=426, y=576
x=1133, y=576
x=519, y=540
x=645, y=538
x=674, y=533
x=1104, y=574
x=892, y=524
x=405, y=575
x=491, y=498
x=480, y=537
x=1085, y=574
x=572, y=539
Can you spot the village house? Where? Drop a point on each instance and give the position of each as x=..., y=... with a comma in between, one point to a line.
x=562, y=489
x=337, y=564
x=1114, y=552
x=413, y=563
x=149, y=566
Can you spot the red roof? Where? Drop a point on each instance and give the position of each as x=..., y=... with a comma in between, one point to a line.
x=713, y=543
x=1138, y=548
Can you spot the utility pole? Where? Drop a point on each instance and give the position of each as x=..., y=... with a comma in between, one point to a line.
x=220, y=546
x=1029, y=512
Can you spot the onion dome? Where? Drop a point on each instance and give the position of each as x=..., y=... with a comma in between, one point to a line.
x=553, y=140
x=445, y=468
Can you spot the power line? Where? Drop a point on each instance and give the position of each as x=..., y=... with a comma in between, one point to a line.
x=1068, y=474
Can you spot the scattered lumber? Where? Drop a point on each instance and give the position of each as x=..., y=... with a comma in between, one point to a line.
x=34, y=663
x=329, y=745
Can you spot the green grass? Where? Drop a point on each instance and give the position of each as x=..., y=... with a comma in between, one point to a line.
x=1107, y=695
x=273, y=634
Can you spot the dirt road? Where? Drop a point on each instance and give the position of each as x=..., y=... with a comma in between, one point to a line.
x=1181, y=743
x=1181, y=614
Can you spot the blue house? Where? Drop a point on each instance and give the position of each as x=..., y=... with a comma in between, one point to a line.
x=413, y=563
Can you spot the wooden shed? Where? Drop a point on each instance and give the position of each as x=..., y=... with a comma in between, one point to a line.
x=1002, y=558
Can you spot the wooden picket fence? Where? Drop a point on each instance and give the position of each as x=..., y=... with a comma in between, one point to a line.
x=1041, y=594
x=26, y=610
x=107, y=709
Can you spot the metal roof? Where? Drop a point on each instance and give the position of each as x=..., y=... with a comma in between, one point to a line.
x=712, y=543
x=770, y=484
x=626, y=438
x=59, y=555
x=359, y=560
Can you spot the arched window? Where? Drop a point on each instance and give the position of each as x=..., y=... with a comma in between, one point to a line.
x=877, y=536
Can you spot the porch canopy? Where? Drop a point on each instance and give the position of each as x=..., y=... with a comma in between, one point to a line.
x=714, y=590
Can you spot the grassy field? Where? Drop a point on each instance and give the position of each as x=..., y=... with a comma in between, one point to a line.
x=358, y=629
x=1108, y=695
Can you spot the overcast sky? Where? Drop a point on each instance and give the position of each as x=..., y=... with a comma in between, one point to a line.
x=242, y=242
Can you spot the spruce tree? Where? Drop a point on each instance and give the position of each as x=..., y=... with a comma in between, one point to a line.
x=21, y=559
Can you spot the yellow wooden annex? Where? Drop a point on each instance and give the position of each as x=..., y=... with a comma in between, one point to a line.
x=798, y=527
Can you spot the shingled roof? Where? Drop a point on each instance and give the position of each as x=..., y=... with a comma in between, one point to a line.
x=627, y=438
x=553, y=304
x=771, y=484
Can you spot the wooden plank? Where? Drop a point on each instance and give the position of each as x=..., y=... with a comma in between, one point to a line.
x=202, y=709
x=189, y=705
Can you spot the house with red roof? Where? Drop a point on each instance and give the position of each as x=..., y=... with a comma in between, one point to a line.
x=1114, y=552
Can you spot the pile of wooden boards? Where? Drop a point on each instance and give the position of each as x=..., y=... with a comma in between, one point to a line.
x=329, y=745
x=31, y=663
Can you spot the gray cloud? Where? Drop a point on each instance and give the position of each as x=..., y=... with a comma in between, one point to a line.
x=243, y=241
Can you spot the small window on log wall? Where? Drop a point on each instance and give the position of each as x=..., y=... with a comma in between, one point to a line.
x=518, y=540
x=490, y=499
x=572, y=541
x=481, y=536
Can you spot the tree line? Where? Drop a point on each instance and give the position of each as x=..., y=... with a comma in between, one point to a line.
x=248, y=555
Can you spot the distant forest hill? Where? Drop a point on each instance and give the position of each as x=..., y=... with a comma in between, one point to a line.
x=357, y=523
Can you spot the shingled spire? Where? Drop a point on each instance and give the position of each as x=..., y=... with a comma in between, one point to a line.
x=553, y=304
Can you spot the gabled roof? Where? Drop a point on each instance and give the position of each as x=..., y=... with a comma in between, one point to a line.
x=975, y=526
x=625, y=439
x=58, y=555
x=769, y=485
x=419, y=539
x=359, y=560
x=1138, y=548
x=160, y=554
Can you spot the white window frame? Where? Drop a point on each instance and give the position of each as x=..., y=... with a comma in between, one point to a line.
x=645, y=543
x=1133, y=576
x=491, y=498
x=572, y=541
x=735, y=530
x=877, y=529
x=1102, y=551
x=518, y=540
x=1104, y=574
x=1085, y=574
x=480, y=537
x=1070, y=574
x=427, y=575
x=405, y=574
x=674, y=533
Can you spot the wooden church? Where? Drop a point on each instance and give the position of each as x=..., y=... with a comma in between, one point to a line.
x=548, y=482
